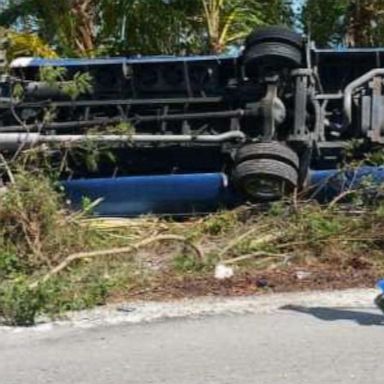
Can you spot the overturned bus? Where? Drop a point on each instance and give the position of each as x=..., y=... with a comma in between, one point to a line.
x=264, y=117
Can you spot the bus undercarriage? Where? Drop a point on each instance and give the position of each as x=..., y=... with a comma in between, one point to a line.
x=264, y=118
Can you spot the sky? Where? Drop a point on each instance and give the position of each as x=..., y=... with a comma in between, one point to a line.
x=297, y=3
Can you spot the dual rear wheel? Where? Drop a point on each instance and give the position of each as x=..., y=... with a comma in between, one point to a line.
x=266, y=171
x=272, y=49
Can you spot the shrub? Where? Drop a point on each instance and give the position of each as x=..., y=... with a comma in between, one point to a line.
x=35, y=224
x=19, y=304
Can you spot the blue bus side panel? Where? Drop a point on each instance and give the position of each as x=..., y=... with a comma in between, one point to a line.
x=173, y=195
x=193, y=193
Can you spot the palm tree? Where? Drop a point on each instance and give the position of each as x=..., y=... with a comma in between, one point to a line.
x=148, y=27
x=185, y=26
x=228, y=21
x=89, y=27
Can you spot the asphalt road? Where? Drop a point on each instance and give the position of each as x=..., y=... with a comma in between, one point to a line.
x=294, y=345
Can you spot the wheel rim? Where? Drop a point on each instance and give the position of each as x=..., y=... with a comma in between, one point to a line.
x=265, y=179
x=264, y=187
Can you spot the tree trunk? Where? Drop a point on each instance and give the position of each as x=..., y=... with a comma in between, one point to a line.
x=84, y=14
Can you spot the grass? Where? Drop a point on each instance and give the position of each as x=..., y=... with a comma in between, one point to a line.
x=38, y=233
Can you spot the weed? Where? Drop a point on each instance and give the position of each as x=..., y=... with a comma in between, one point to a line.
x=187, y=263
x=123, y=128
x=66, y=295
x=220, y=223
x=277, y=209
x=375, y=158
x=19, y=304
x=319, y=225
x=37, y=232
x=9, y=264
x=92, y=154
x=35, y=224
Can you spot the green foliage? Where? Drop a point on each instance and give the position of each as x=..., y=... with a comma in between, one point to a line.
x=79, y=85
x=348, y=22
x=66, y=295
x=364, y=23
x=150, y=27
x=55, y=77
x=305, y=230
x=89, y=28
x=92, y=155
x=227, y=22
x=20, y=304
x=375, y=158
x=277, y=209
x=17, y=91
x=34, y=224
x=278, y=12
x=9, y=264
x=52, y=75
x=184, y=26
x=324, y=20
x=123, y=128
x=17, y=43
x=187, y=263
x=352, y=149
x=319, y=224
x=86, y=204
x=219, y=224
x=65, y=24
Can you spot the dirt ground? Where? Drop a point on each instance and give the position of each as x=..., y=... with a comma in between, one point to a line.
x=244, y=283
